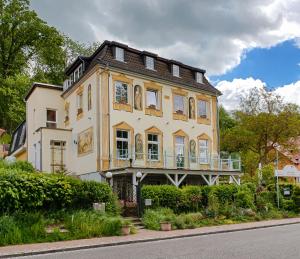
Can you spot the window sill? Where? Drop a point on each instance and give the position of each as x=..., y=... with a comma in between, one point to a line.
x=205, y=121
x=153, y=112
x=122, y=107
x=178, y=116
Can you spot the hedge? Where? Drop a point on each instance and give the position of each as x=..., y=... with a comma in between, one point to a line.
x=23, y=191
x=193, y=198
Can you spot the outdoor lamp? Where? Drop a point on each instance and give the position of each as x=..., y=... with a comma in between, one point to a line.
x=108, y=175
x=139, y=175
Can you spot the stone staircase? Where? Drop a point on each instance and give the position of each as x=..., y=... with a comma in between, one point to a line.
x=137, y=223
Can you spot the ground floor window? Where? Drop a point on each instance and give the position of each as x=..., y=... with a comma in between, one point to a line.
x=179, y=149
x=153, y=147
x=122, y=144
x=203, y=151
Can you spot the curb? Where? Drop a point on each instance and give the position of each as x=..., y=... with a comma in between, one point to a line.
x=50, y=251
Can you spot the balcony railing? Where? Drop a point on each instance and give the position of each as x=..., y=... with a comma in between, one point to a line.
x=170, y=161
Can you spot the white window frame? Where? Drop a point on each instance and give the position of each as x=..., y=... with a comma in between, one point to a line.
x=157, y=105
x=175, y=70
x=201, y=114
x=184, y=110
x=150, y=63
x=203, y=151
x=119, y=83
x=123, y=140
x=199, y=77
x=79, y=101
x=51, y=122
x=180, y=146
x=153, y=142
x=119, y=54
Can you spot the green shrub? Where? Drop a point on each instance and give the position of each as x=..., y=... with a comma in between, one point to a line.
x=162, y=195
x=288, y=205
x=152, y=218
x=191, y=199
x=18, y=165
x=296, y=197
x=213, y=205
x=20, y=191
x=244, y=199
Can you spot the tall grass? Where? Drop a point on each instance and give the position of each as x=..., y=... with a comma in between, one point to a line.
x=31, y=227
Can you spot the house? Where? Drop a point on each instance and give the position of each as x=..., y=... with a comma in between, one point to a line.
x=18, y=145
x=124, y=111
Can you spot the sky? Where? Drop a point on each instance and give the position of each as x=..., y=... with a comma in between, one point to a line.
x=241, y=44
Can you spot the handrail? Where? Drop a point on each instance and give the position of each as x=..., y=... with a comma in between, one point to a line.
x=123, y=158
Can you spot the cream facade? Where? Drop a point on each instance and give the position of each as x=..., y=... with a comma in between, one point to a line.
x=121, y=117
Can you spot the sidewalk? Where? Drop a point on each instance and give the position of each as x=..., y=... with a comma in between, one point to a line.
x=142, y=236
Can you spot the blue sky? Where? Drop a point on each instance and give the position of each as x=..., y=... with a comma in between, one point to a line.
x=276, y=66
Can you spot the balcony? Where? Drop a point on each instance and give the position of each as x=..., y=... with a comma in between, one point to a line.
x=166, y=160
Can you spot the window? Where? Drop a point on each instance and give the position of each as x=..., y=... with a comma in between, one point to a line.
x=121, y=92
x=199, y=77
x=122, y=144
x=79, y=103
x=179, y=149
x=175, y=70
x=89, y=97
x=76, y=75
x=150, y=63
x=202, y=109
x=152, y=99
x=203, y=151
x=153, y=147
x=119, y=54
x=80, y=70
x=179, y=104
x=51, y=119
x=57, y=155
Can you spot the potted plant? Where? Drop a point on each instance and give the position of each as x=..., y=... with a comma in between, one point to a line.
x=125, y=228
x=165, y=225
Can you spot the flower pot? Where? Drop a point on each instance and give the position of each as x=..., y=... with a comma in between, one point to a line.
x=165, y=226
x=125, y=230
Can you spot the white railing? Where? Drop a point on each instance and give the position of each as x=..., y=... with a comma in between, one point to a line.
x=170, y=161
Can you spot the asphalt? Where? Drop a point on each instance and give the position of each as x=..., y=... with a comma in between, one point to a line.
x=272, y=242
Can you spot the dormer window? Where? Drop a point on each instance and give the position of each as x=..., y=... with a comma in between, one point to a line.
x=199, y=77
x=175, y=70
x=119, y=54
x=149, y=63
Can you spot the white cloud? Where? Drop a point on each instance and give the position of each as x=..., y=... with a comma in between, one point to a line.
x=212, y=35
x=290, y=93
x=234, y=90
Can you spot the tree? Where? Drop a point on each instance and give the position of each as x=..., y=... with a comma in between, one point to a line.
x=12, y=107
x=73, y=49
x=30, y=50
x=264, y=122
x=226, y=122
x=28, y=43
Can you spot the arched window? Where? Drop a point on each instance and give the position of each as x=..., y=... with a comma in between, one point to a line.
x=89, y=97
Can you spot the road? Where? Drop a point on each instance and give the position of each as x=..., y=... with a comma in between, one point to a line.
x=275, y=242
